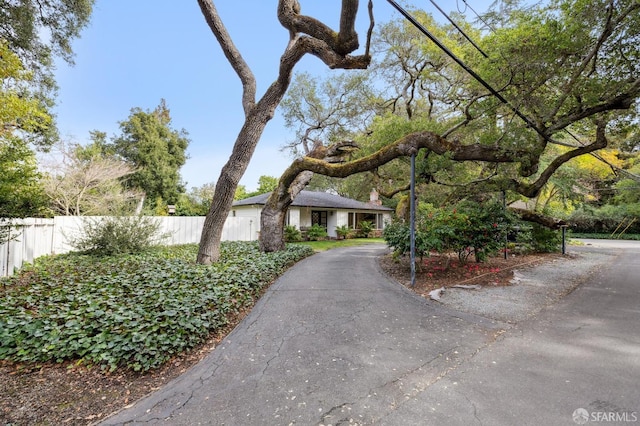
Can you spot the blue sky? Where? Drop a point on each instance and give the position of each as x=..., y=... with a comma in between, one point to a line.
x=135, y=53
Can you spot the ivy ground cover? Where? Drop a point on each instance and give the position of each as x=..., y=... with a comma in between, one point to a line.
x=133, y=311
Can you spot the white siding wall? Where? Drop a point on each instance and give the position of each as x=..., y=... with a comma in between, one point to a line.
x=305, y=217
x=294, y=217
x=332, y=222
x=342, y=218
x=386, y=218
x=243, y=224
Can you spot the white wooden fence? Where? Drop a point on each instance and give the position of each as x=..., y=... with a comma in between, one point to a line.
x=32, y=237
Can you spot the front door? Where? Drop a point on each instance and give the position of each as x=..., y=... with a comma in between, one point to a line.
x=319, y=217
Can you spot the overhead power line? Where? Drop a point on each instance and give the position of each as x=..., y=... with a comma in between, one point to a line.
x=495, y=93
x=468, y=69
x=466, y=5
x=459, y=29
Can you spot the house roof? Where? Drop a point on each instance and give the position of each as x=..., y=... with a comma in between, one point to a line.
x=316, y=199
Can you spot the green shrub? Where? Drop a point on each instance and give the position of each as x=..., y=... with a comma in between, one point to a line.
x=470, y=228
x=485, y=230
x=316, y=232
x=365, y=228
x=118, y=235
x=343, y=231
x=292, y=234
x=134, y=311
x=545, y=240
x=397, y=235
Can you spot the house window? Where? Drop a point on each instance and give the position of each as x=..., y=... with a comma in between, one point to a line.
x=377, y=219
x=319, y=217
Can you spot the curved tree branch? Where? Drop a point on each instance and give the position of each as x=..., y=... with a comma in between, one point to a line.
x=332, y=49
x=531, y=216
x=608, y=29
x=231, y=53
x=342, y=43
x=533, y=189
x=621, y=101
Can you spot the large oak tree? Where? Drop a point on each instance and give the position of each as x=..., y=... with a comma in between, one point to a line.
x=571, y=67
x=307, y=36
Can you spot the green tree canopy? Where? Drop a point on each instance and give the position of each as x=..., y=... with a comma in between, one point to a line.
x=196, y=202
x=22, y=118
x=265, y=184
x=32, y=33
x=155, y=150
x=39, y=30
x=571, y=67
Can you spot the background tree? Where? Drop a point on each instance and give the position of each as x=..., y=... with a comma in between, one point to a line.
x=21, y=194
x=265, y=184
x=570, y=68
x=84, y=180
x=240, y=193
x=322, y=112
x=36, y=32
x=306, y=36
x=196, y=201
x=22, y=118
x=32, y=33
x=156, y=151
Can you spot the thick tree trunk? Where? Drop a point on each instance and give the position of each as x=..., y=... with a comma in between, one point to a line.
x=227, y=183
x=274, y=214
x=319, y=41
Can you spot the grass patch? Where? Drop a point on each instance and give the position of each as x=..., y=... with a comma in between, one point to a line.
x=330, y=244
x=133, y=311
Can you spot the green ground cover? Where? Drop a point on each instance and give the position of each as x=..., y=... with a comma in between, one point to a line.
x=134, y=311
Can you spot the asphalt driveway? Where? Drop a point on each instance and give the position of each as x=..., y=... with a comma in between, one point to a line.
x=334, y=341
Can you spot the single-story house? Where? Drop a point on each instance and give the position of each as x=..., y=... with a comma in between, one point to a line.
x=321, y=208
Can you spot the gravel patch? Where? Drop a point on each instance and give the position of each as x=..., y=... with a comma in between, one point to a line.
x=532, y=289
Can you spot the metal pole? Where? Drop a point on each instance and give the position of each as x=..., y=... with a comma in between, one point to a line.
x=412, y=220
x=506, y=233
x=564, y=239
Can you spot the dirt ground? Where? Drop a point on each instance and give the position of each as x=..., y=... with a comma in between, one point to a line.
x=439, y=271
x=68, y=394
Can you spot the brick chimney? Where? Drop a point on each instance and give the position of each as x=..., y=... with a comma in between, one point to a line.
x=373, y=198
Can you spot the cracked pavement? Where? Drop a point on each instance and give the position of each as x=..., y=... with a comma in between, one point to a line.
x=335, y=342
